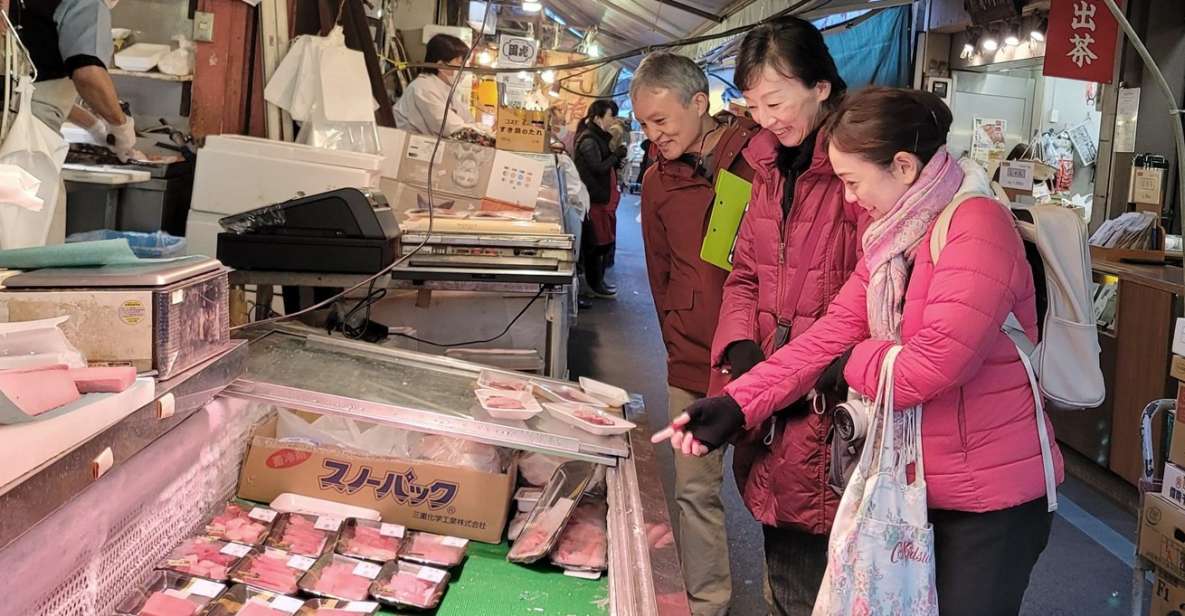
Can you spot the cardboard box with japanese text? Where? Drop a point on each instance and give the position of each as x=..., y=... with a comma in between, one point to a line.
x=522, y=130
x=448, y=500
x=1168, y=596
x=1162, y=534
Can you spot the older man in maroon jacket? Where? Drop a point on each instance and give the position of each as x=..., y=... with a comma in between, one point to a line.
x=670, y=97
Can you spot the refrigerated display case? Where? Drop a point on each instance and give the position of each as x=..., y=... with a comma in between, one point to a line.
x=99, y=541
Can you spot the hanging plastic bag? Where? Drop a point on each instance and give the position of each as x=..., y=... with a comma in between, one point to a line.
x=325, y=86
x=19, y=188
x=40, y=151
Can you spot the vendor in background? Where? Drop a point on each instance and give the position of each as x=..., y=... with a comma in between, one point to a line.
x=597, y=163
x=70, y=44
x=670, y=97
x=798, y=243
x=422, y=107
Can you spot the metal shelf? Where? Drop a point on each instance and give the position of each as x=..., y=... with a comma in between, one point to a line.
x=27, y=502
x=153, y=75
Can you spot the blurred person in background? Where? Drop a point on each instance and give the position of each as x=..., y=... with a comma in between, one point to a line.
x=598, y=164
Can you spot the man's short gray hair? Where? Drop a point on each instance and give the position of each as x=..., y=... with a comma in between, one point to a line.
x=663, y=69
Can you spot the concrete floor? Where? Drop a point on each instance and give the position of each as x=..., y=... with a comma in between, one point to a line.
x=1084, y=571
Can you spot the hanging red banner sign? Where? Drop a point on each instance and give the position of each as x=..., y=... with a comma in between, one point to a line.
x=1080, y=42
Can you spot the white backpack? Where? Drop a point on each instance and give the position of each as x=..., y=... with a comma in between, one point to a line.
x=1063, y=367
x=1066, y=359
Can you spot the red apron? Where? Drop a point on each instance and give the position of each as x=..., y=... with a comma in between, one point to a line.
x=602, y=217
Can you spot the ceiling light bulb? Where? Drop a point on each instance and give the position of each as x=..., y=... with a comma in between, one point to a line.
x=990, y=43
x=594, y=50
x=968, y=51
x=484, y=58
x=1011, y=39
x=548, y=76
x=1038, y=33
x=532, y=7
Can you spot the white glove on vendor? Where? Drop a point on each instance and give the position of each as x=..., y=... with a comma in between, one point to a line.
x=125, y=139
x=98, y=131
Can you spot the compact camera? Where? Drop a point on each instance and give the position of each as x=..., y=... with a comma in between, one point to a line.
x=851, y=419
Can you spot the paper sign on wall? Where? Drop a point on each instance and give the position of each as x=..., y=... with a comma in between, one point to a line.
x=1016, y=174
x=516, y=179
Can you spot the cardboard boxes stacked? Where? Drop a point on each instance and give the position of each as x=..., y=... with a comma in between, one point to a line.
x=1162, y=521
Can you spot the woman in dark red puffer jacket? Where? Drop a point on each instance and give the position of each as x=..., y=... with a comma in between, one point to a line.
x=797, y=245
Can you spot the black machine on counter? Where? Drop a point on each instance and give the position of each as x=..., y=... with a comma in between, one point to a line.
x=346, y=231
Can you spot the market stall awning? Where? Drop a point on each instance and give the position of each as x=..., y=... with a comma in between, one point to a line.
x=626, y=24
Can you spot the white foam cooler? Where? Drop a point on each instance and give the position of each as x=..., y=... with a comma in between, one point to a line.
x=236, y=174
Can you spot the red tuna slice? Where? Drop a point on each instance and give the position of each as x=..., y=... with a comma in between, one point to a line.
x=113, y=379
x=37, y=390
x=584, y=543
x=338, y=580
x=369, y=543
x=201, y=557
x=592, y=417
x=269, y=571
x=259, y=609
x=413, y=586
x=235, y=524
x=161, y=604
x=500, y=402
x=299, y=535
x=433, y=549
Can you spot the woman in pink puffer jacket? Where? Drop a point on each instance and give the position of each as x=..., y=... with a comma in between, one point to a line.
x=984, y=470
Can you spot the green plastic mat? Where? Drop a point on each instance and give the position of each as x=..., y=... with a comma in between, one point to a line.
x=486, y=584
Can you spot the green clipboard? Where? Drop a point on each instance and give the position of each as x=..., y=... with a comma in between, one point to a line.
x=728, y=208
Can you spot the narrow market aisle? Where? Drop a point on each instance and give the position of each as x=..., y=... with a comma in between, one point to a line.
x=618, y=341
x=1085, y=569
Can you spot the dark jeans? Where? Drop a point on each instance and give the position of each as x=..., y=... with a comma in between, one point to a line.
x=983, y=560
x=593, y=259
x=794, y=562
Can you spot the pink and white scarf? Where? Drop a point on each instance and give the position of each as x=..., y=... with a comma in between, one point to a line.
x=891, y=242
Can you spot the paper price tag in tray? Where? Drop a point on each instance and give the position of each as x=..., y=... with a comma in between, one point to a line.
x=430, y=574
x=237, y=550
x=367, y=570
x=391, y=530
x=262, y=514
x=304, y=563
x=328, y=523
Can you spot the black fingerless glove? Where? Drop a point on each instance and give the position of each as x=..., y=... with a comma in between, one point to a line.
x=742, y=356
x=715, y=421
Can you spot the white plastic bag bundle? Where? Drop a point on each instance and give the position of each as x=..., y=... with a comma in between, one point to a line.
x=325, y=86
x=180, y=61
x=41, y=152
x=341, y=432
x=19, y=188
x=459, y=452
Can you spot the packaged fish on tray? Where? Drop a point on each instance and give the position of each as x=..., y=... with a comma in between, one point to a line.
x=204, y=557
x=584, y=543
x=488, y=379
x=370, y=540
x=340, y=577
x=272, y=569
x=404, y=584
x=307, y=535
x=170, y=594
x=337, y=607
x=559, y=499
x=243, y=600
x=509, y=405
x=589, y=418
x=242, y=524
x=429, y=549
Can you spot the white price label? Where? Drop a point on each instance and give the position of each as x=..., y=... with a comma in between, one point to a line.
x=178, y=296
x=361, y=607
x=328, y=523
x=304, y=563
x=206, y=588
x=455, y=542
x=367, y=570
x=262, y=514
x=430, y=574
x=237, y=550
x=391, y=530
x=288, y=605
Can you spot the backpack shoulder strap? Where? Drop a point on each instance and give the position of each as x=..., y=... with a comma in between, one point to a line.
x=942, y=224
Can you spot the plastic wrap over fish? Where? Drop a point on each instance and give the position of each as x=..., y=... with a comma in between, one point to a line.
x=269, y=216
